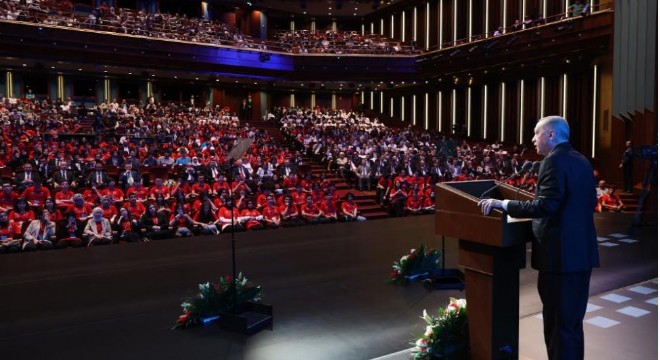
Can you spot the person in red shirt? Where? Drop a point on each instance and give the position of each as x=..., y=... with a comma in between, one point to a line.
x=240, y=183
x=181, y=223
x=329, y=209
x=55, y=213
x=141, y=193
x=10, y=234
x=8, y=197
x=289, y=213
x=200, y=187
x=311, y=212
x=219, y=185
x=21, y=213
x=92, y=195
x=205, y=218
x=36, y=194
x=298, y=196
x=229, y=215
x=262, y=199
x=349, y=210
x=180, y=187
x=382, y=189
x=70, y=232
x=134, y=207
x=64, y=196
x=109, y=209
x=113, y=191
x=155, y=224
x=81, y=209
x=159, y=188
x=414, y=203
x=252, y=217
x=271, y=213
x=125, y=227
x=428, y=205
x=397, y=199
x=609, y=201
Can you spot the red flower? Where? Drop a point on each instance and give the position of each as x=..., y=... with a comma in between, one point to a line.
x=228, y=278
x=183, y=318
x=395, y=274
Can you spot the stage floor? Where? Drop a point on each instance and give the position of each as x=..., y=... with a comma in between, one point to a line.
x=326, y=283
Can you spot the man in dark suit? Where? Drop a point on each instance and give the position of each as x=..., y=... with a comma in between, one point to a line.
x=98, y=175
x=64, y=174
x=27, y=177
x=627, y=166
x=564, y=249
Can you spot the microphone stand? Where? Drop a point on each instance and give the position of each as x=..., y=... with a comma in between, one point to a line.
x=525, y=169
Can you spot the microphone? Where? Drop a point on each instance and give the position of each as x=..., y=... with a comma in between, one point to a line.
x=527, y=166
x=535, y=167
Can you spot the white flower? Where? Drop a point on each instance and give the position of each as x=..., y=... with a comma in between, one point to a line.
x=404, y=258
x=421, y=343
x=429, y=331
x=412, y=251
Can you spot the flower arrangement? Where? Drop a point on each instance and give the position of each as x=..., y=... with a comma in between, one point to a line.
x=416, y=262
x=446, y=335
x=214, y=298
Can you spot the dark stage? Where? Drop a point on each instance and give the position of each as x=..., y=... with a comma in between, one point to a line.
x=327, y=285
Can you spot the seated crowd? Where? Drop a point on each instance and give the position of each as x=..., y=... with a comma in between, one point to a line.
x=340, y=42
x=401, y=164
x=151, y=172
x=125, y=21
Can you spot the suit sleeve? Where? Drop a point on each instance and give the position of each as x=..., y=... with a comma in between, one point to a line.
x=551, y=190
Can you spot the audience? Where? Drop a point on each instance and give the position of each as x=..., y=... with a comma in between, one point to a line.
x=174, y=198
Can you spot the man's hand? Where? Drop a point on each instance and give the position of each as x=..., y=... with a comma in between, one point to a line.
x=487, y=205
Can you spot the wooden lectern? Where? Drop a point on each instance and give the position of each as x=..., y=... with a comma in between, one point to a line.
x=492, y=251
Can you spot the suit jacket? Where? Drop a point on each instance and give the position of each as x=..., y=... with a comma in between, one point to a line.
x=33, y=231
x=562, y=212
x=58, y=178
x=91, y=177
x=34, y=175
x=123, y=178
x=106, y=228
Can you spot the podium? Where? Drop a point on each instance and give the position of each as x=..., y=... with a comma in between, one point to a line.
x=492, y=251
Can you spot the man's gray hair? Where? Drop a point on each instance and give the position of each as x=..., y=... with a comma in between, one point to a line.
x=557, y=124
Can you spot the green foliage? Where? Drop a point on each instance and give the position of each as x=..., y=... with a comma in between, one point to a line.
x=214, y=298
x=417, y=261
x=446, y=334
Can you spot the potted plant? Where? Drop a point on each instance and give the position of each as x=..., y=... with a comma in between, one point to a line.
x=446, y=335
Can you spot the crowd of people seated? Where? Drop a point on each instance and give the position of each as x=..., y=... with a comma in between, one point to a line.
x=152, y=171
x=401, y=164
x=126, y=21
x=182, y=27
x=340, y=42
